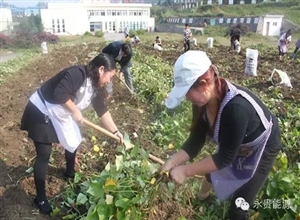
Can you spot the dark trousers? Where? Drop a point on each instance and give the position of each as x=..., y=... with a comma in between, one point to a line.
x=249, y=190
x=294, y=53
x=128, y=80
x=43, y=152
x=187, y=45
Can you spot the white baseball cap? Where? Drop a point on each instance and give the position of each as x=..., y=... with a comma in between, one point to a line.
x=187, y=69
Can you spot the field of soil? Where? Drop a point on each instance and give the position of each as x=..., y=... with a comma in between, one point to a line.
x=17, y=152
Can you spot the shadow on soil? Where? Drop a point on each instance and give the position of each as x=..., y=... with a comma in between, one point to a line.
x=13, y=198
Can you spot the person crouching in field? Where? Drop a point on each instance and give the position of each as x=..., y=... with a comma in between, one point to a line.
x=158, y=41
x=53, y=111
x=127, y=39
x=157, y=45
x=283, y=43
x=244, y=129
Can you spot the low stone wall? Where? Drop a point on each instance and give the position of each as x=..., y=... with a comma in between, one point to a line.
x=254, y=24
x=260, y=26
x=287, y=24
x=250, y=21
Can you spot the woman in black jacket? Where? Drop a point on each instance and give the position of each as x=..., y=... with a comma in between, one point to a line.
x=244, y=129
x=53, y=111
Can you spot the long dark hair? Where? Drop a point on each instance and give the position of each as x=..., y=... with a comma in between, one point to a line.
x=221, y=90
x=101, y=59
x=288, y=33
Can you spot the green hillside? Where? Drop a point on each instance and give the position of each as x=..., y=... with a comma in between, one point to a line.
x=289, y=8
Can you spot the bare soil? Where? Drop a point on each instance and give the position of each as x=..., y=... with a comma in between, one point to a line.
x=17, y=152
x=232, y=65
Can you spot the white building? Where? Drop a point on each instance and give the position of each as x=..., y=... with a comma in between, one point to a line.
x=92, y=16
x=5, y=20
x=272, y=25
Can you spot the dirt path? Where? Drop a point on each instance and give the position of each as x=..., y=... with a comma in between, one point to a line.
x=14, y=147
x=113, y=36
x=5, y=56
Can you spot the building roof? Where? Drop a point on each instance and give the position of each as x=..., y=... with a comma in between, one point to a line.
x=274, y=16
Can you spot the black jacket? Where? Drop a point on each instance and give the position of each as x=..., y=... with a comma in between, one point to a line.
x=113, y=49
x=64, y=86
x=236, y=32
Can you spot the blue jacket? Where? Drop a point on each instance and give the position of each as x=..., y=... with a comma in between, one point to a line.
x=113, y=49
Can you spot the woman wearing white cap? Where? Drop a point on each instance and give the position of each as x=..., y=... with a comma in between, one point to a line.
x=246, y=132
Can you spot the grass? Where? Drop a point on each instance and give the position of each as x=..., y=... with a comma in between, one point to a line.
x=289, y=8
x=9, y=67
x=216, y=32
x=78, y=39
x=64, y=40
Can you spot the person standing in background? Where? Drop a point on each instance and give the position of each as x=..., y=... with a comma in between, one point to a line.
x=126, y=32
x=283, y=43
x=187, y=33
x=205, y=23
x=235, y=34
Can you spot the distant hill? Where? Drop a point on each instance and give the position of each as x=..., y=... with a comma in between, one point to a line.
x=289, y=8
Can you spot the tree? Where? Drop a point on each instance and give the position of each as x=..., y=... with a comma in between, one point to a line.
x=38, y=23
x=33, y=23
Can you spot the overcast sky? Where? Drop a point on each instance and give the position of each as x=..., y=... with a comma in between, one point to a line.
x=26, y=3
x=20, y=3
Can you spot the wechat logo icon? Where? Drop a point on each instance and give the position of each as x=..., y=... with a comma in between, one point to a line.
x=241, y=203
